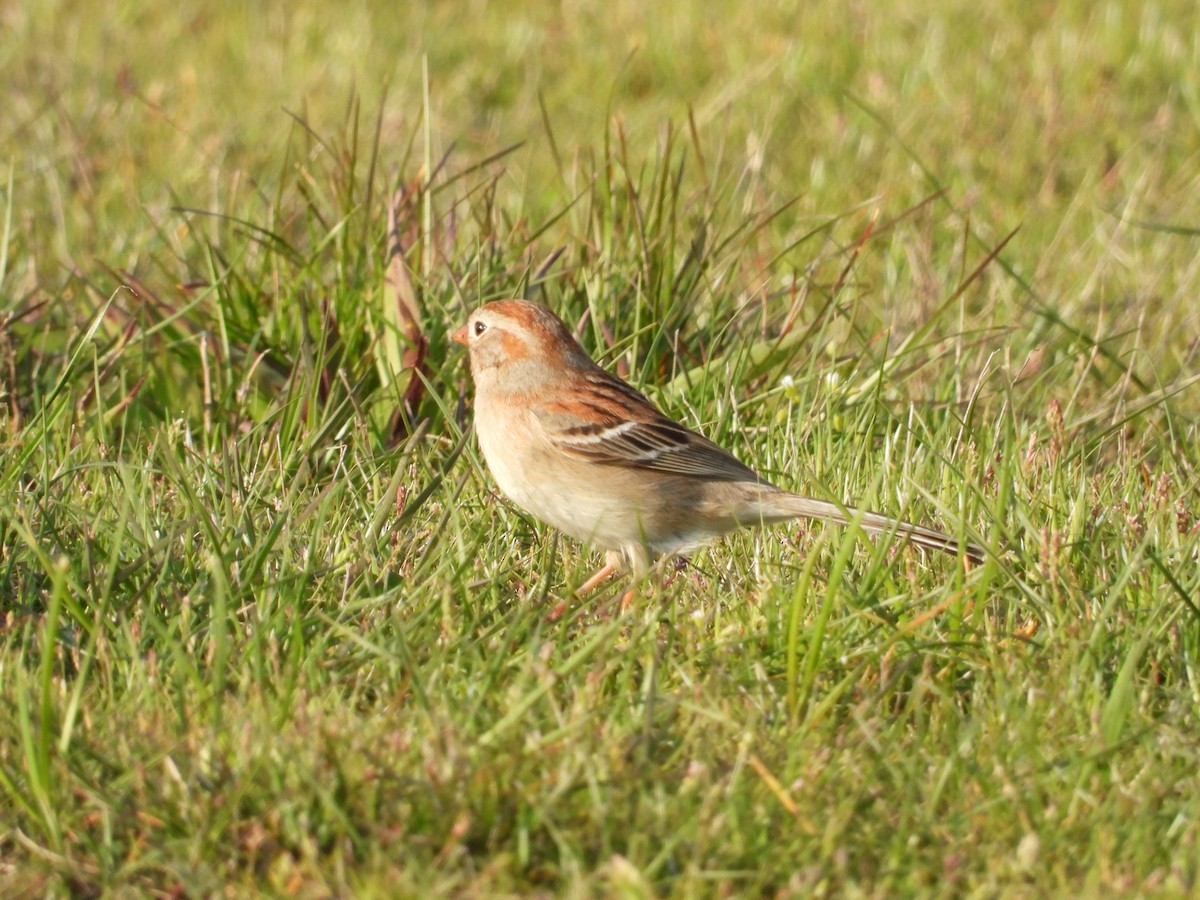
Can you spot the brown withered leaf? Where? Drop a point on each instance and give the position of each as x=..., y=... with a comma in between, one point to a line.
x=404, y=345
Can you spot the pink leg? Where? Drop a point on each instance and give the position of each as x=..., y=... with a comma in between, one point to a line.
x=599, y=578
x=626, y=599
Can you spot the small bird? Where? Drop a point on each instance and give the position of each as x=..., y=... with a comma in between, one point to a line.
x=583, y=451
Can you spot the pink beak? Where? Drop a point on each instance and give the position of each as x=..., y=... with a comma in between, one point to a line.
x=460, y=336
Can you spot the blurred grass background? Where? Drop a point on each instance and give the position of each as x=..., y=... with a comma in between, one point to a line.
x=256, y=637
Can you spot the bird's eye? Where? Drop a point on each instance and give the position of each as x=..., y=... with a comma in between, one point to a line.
x=480, y=328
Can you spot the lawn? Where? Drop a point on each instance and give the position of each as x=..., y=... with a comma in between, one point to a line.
x=266, y=627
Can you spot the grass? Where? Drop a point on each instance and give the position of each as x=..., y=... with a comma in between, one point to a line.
x=262, y=634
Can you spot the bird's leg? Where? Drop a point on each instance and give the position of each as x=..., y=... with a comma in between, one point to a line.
x=599, y=577
x=610, y=567
x=613, y=561
x=627, y=598
x=643, y=571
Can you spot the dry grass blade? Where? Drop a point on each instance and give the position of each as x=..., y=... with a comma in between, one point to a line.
x=404, y=343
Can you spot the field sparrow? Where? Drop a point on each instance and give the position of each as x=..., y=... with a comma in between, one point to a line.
x=583, y=451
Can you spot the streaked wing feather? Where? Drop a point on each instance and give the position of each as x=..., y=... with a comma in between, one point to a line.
x=623, y=428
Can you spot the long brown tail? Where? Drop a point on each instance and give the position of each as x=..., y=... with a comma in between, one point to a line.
x=785, y=505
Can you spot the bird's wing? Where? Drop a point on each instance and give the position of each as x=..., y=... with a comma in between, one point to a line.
x=609, y=423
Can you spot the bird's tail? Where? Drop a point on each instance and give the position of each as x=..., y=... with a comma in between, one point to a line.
x=784, y=505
